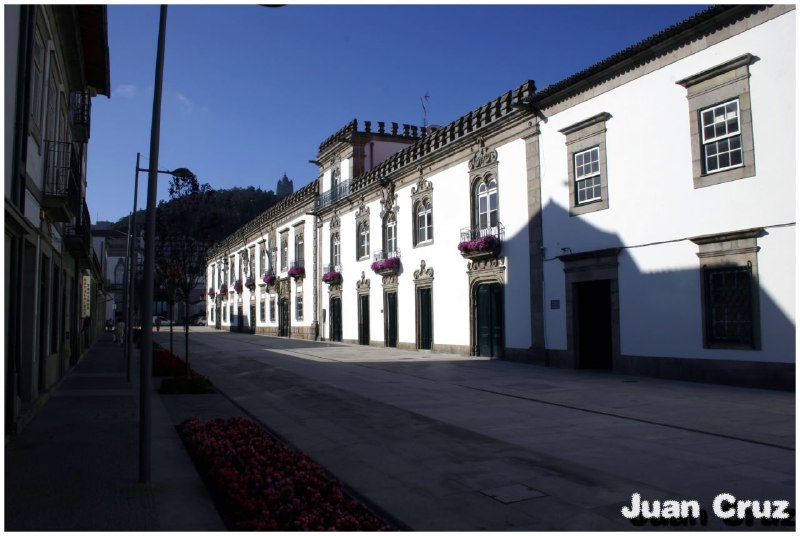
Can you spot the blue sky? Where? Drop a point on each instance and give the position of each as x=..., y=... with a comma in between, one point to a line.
x=250, y=92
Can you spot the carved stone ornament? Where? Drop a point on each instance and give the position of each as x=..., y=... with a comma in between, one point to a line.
x=483, y=157
x=486, y=264
x=284, y=288
x=363, y=210
x=423, y=186
x=335, y=222
x=390, y=282
x=388, y=200
x=423, y=273
x=363, y=284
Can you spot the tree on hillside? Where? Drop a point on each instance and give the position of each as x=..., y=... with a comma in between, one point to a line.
x=184, y=231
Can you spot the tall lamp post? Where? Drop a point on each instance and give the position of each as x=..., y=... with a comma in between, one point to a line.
x=146, y=353
x=131, y=273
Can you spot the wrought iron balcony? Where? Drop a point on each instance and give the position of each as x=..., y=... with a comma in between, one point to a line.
x=385, y=254
x=331, y=196
x=78, y=236
x=471, y=233
x=299, y=263
x=386, y=262
x=329, y=268
x=478, y=243
x=62, y=194
x=80, y=106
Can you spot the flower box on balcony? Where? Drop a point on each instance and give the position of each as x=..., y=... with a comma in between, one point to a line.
x=211, y=293
x=223, y=290
x=332, y=278
x=237, y=286
x=297, y=272
x=269, y=279
x=250, y=283
x=386, y=266
x=484, y=246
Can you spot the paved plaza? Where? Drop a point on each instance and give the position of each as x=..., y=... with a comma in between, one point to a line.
x=432, y=442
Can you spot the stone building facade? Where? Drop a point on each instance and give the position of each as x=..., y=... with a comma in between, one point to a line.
x=637, y=216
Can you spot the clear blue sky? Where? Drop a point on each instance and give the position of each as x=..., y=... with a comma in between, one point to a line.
x=250, y=92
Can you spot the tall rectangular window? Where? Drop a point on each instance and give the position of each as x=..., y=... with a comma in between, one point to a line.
x=721, y=122
x=298, y=306
x=729, y=309
x=37, y=79
x=722, y=137
x=587, y=175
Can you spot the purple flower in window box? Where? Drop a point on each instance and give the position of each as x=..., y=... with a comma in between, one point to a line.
x=297, y=272
x=332, y=277
x=237, y=286
x=269, y=279
x=211, y=292
x=223, y=290
x=250, y=283
x=483, y=244
x=390, y=264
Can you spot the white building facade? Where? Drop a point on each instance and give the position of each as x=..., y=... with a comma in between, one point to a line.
x=638, y=216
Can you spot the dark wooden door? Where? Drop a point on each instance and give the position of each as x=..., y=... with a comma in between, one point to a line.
x=363, y=319
x=391, y=319
x=283, y=318
x=425, y=319
x=489, y=319
x=336, y=319
x=593, y=324
x=252, y=317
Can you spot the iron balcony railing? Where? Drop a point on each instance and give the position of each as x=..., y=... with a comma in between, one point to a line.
x=81, y=111
x=62, y=174
x=333, y=195
x=78, y=234
x=299, y=263
x=471, y=233
x=328, y=268
x=385, y=254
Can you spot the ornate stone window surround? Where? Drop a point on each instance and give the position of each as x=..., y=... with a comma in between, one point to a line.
x=483, y=168
x=362, y=232
x=584, y=136
x=736, y=249
x=421, y=196
x=723, y=83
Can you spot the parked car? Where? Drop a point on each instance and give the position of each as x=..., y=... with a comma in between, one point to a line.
x=164, y=321
x=200, y=321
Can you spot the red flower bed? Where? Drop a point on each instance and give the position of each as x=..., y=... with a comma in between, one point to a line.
x=263, y=485
x=167, y=364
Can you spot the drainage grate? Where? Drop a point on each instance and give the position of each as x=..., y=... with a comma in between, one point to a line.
x=513, y=493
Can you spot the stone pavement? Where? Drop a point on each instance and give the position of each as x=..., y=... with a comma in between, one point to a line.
x=75, y=466
x=434, y=442
x=450, y=443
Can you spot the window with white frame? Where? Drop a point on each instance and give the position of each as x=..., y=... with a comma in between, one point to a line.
x=720, y=122
x=336, y=250
x=486, y=204
x=587, y=169
x=299, y=250
x=390, y=234
x=587, y=175
x=363, y=239
x=722, y=136
x=37, y=78
x=284, y=252
x=424, y=217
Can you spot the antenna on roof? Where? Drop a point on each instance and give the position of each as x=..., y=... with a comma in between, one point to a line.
x=425, y=99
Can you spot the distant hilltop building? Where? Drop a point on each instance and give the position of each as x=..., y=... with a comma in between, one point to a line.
x=285, y=186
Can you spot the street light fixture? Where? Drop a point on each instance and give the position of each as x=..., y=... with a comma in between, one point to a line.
x=130, y=273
